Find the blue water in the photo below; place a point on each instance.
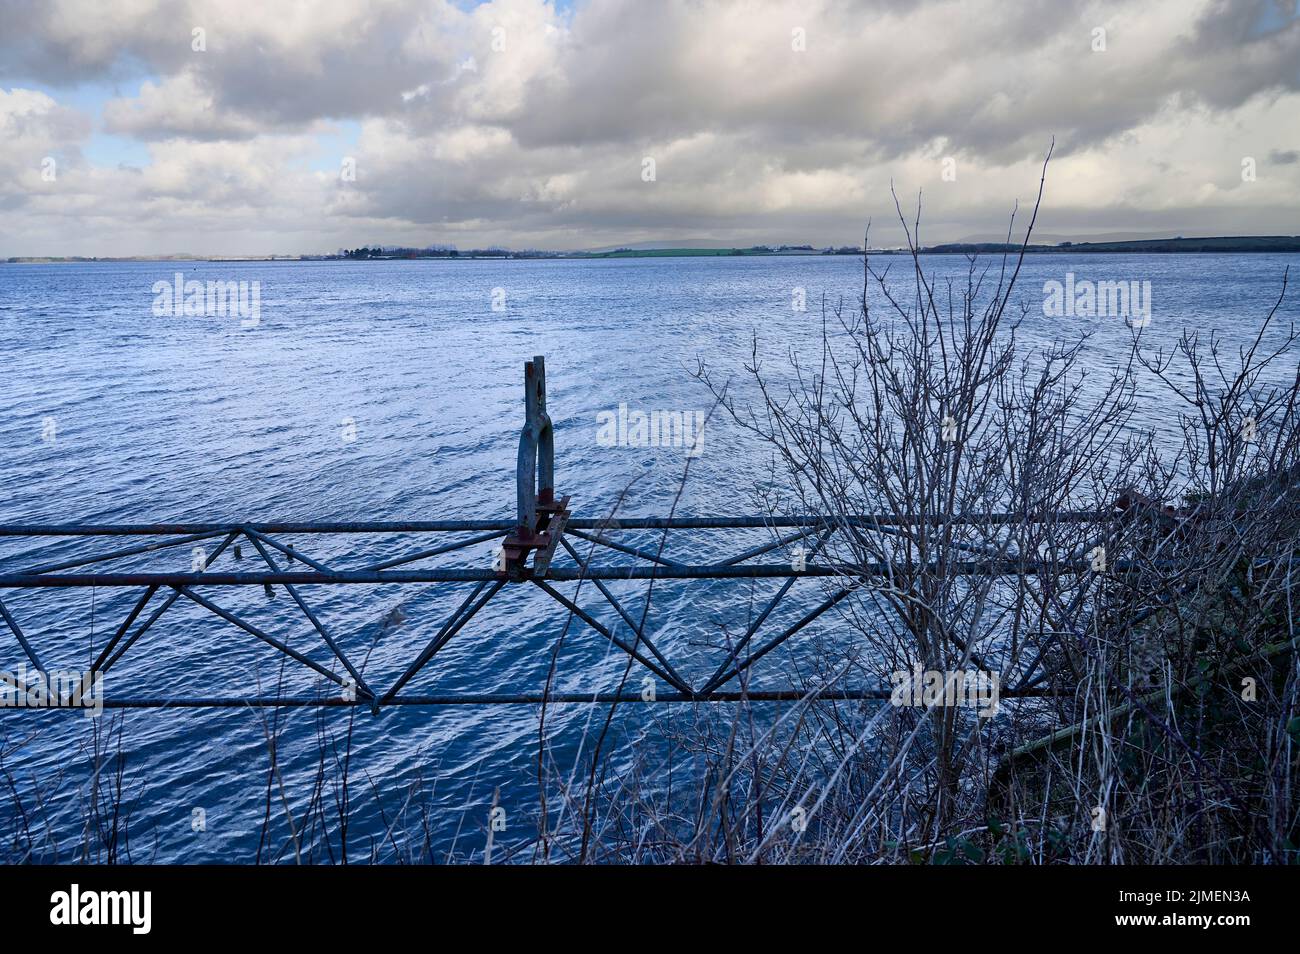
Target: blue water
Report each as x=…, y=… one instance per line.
x=200, y=419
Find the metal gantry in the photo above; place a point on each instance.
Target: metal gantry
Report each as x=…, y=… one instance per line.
x=542, y=528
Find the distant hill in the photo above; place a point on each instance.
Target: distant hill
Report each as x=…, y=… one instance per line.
x=695, y=249
x=1224, y=243
x=673, y=244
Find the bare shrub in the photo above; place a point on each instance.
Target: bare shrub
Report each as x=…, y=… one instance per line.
x=997, y=508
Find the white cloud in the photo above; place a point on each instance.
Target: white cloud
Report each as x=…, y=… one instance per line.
x=178, y=107
x=512, y=123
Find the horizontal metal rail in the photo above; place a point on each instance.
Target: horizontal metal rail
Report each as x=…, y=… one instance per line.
x=532, y=699
x=480, y=526
x=555, y=573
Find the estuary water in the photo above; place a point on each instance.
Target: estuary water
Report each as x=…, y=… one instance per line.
x=388, y=391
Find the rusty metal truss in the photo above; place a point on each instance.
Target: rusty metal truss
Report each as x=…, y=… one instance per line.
x=529, y=546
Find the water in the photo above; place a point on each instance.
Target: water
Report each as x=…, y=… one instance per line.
x=199, y=419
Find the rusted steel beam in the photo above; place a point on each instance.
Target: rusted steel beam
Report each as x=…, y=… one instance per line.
x=768, y=547
x=624, y=548
x=525, y=698
x=125, y=552
x=435, y=551
x=741, y=643
x=288, y=551
x=105, y=660
x=674, y=681
x=600, y=524
x=22, y=640
x=464, y=613
x=140, y=604
x=539, y=528
x=560, y=574
x=260, y=634
x=364, y=689
x=637, y=628
x=775, y=641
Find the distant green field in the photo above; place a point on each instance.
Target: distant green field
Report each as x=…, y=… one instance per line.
x=678, y=253
x=1225, y=243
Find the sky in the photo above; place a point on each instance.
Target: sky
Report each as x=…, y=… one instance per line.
x=147, y=127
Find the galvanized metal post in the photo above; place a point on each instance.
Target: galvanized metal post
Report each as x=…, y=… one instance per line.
x=535, y=475
x=534, y=472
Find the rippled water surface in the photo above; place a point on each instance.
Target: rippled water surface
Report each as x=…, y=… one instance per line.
x=111, y=414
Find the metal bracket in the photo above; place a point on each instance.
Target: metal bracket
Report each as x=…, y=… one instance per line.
x=535, y=479
x=552, y=531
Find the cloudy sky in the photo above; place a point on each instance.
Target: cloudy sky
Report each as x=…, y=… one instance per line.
x=134, y=127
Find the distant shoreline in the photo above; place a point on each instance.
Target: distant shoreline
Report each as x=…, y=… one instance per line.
x=1170, y=246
